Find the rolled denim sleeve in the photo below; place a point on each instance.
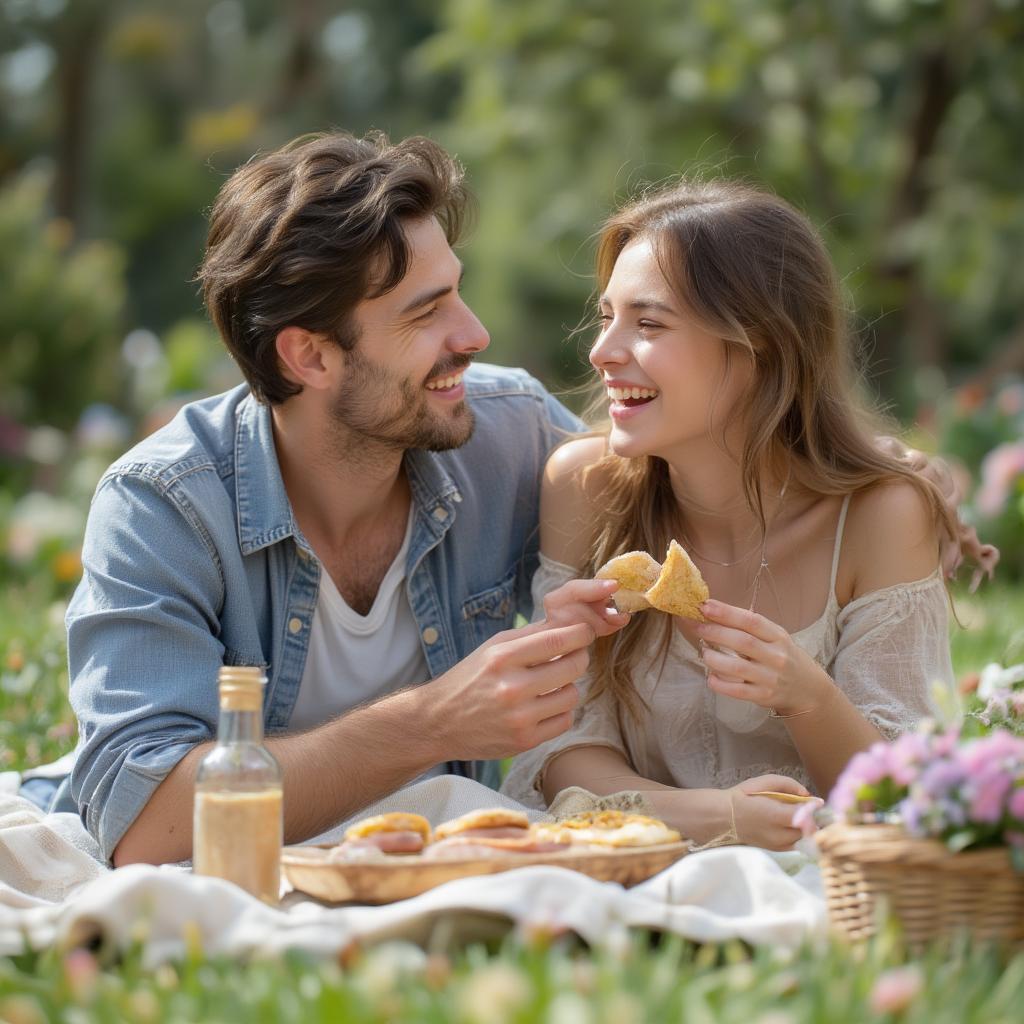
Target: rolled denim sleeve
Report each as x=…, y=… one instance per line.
x=143, y=649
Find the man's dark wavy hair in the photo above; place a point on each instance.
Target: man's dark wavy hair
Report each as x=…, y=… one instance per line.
x=300, y=236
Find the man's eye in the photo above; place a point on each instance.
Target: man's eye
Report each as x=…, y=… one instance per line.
x=428, y=314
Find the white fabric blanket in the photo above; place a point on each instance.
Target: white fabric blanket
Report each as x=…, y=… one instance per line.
x=54, y=891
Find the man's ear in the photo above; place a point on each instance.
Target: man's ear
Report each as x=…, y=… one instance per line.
x=305, y=357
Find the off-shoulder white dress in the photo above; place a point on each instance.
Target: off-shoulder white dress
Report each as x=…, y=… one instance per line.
x=887, y=650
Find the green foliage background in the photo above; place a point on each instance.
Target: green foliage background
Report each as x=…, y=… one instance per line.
x=894, y=123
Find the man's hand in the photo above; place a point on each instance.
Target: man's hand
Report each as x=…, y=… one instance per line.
x=511, y=693
x=966, y=544
x=585, y=601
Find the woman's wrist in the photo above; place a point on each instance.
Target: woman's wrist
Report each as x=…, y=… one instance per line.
x=816, y=697
x=703, y=815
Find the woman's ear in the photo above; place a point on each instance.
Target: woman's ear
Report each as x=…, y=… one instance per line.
x=306, y=358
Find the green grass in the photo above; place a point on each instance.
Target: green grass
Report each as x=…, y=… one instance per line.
x=531, y=977
x=525, y=979
x=36, y=722
x=993, y=627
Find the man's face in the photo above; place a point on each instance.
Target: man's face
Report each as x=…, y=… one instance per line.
x=402, y=383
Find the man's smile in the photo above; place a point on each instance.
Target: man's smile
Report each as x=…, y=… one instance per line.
x=447, y=383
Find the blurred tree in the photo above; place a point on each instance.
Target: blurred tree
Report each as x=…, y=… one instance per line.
x=895, y=123
x=60, y=311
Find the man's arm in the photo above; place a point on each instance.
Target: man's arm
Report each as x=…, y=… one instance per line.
x=329, y=773
x=509, y=695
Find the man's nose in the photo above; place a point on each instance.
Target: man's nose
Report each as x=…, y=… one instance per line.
x=470, y=335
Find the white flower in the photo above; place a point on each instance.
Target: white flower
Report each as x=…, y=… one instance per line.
x=493, y=994
x=569, y=1008
x=384, y=966
x=995, y=678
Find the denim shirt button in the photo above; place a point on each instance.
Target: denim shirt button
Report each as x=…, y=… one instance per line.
x=440, y=513
x=430, y=635
x=294, y=625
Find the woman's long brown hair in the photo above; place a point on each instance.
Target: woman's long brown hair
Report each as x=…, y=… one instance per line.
x=751, y=270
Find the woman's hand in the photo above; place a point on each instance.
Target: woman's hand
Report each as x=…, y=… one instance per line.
x=763, y=820
x=585, y=601
x=762, y=663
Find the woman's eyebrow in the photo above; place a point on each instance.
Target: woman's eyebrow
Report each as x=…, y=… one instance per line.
x=643, y=303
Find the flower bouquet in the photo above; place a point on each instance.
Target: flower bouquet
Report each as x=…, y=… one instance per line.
x=932, y=827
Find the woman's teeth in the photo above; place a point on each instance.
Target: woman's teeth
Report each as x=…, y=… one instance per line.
x=444, y=383
x=621, y=394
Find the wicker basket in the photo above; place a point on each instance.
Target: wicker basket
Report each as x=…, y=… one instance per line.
x=932, y=893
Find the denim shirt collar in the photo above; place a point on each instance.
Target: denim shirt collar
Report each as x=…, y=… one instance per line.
x=264, y=512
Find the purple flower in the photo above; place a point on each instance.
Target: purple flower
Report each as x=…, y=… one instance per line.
x=941, y=786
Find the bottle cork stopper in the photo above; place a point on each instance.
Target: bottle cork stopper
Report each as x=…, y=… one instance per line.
x=241, y=688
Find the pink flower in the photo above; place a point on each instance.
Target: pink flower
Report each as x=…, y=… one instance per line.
x=896, y=989
x=82, y=974
x=803, y=817
x=1010, y=399
x=987, y=802
x=999, y=469
x=1016, y=803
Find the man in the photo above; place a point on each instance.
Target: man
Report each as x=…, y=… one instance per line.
x=360, y=518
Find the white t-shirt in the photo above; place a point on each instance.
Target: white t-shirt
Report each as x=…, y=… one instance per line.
x=355, y=659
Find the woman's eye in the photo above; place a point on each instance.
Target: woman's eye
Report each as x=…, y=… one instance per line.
x=604, y=318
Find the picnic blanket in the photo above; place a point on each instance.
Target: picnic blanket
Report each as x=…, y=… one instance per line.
x=53, y=891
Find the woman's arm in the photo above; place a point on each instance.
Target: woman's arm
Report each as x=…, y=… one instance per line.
x=702, y=815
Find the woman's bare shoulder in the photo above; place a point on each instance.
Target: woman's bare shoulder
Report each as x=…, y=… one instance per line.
x=891, y=537
x=567, y=506
x=567, y=461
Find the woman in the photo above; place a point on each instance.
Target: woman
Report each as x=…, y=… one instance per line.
x=735, y=430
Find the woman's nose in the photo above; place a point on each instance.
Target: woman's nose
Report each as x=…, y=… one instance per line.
x=607, y=350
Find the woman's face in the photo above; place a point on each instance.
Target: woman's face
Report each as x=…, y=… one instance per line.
x=665, y=377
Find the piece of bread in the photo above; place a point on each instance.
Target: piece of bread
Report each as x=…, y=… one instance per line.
x=635, y=572
x=608, y=829
x=490, y=820
x=393, y=821
x=680, y=589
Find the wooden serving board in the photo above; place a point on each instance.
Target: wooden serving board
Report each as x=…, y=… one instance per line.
x=307, y=868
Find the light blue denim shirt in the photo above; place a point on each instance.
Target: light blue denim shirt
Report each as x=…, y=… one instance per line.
x=193, y=559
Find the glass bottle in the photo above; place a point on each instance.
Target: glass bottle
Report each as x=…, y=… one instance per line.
x=237, y=827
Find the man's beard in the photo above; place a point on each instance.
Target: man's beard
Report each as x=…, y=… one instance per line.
x=375, y=408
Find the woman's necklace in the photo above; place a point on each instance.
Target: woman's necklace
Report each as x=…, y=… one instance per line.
x=756, y=584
